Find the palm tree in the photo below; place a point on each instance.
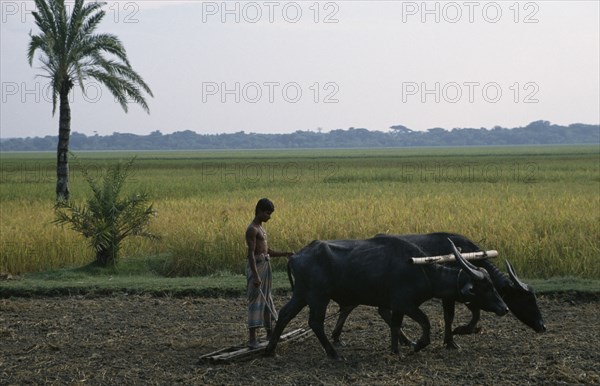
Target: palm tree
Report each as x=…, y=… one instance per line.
x=107, y=218
x=71, y=54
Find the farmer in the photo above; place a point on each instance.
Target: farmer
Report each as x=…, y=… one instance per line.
x=261, y=310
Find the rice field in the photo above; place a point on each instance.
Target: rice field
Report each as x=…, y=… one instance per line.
x=538, y=206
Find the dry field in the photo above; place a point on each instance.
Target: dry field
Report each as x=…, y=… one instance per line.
x=144, y=340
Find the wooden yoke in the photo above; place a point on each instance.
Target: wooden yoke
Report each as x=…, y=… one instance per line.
x=446, y=258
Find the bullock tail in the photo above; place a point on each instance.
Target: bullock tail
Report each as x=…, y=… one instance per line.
x=290, y=276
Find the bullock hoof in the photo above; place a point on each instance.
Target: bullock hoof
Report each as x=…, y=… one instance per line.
x=420, y=345
x=332, y=354
x=452, y=346
x=269, y=353
x=335, y=357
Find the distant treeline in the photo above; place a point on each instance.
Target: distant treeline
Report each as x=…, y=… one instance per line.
x=536, y=133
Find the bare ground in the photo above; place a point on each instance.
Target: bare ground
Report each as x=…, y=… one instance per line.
x=144, y=340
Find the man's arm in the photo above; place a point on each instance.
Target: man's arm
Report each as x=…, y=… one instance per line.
x=251, y=233
x=273, y=253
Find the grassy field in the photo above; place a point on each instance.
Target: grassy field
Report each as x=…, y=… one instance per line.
x=137, y=277
x=538, y=206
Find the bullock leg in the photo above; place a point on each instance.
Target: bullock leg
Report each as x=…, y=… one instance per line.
x=316, y=320
x=471, y=327
x=286, y=314
x=397, y=333
x=394, y=320
x=386, y=315
x=448, y=305
x=339, y=325
x=395, y=325
x=418, y=316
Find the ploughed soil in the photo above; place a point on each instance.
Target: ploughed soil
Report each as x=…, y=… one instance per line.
x=146, y=340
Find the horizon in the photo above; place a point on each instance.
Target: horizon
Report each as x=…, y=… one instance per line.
x=389, y=130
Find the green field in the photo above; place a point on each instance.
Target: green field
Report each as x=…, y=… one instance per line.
x=538, y=206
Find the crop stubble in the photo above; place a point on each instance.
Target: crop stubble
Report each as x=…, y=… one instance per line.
x=146, y=340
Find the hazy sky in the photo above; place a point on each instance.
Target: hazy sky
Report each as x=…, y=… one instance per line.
x=271, y=66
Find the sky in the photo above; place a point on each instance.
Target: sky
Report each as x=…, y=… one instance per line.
x=278, y=67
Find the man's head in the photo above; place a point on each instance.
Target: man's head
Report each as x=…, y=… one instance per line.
x=264, y=208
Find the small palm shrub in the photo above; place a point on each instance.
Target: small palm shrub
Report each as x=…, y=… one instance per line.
x=106, y=219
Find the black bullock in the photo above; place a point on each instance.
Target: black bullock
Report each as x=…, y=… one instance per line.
x=518, y=296
x=377, y=272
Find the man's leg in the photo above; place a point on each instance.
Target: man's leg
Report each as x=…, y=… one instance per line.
x=252, y=342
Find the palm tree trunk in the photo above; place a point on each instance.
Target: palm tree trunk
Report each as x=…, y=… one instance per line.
x=62, y=153
x=107, y=257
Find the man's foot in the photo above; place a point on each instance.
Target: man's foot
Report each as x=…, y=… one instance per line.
x=253, y=345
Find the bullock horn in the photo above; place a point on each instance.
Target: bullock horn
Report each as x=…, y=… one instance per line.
x=513, y=276
x=470, y=268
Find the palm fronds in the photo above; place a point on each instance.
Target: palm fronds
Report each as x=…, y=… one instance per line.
x=72, y=53
x=106, y=219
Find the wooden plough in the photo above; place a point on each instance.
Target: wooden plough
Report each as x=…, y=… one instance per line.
x=235, y=353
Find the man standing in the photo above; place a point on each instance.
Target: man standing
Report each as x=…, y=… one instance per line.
x=261, y=310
